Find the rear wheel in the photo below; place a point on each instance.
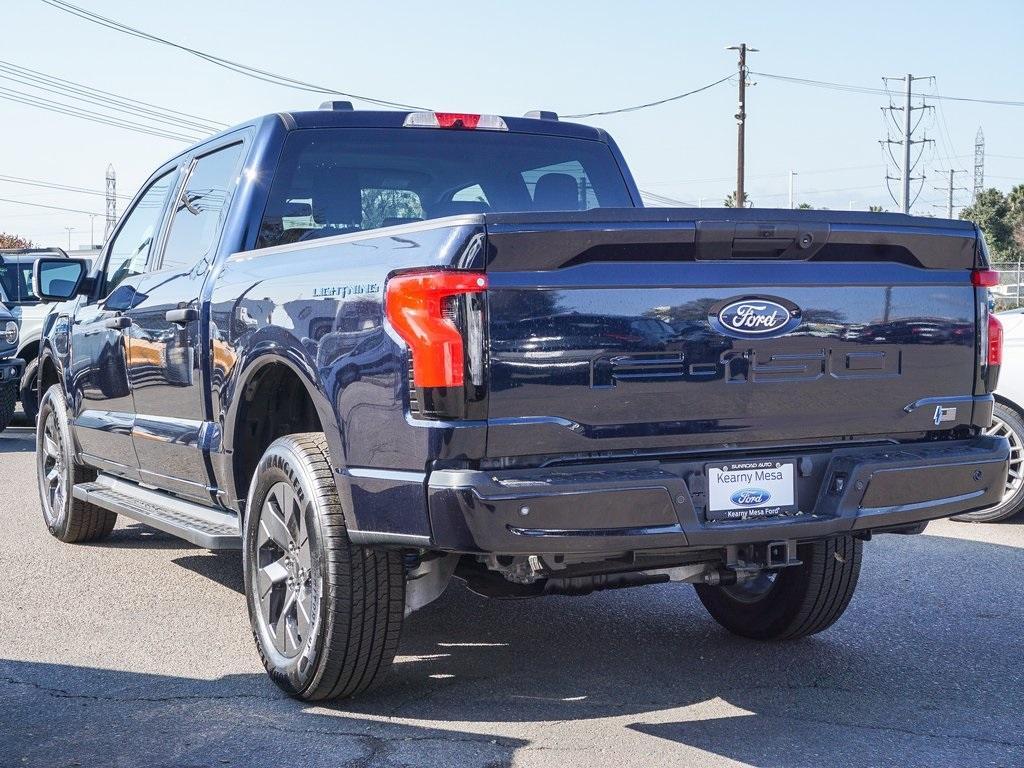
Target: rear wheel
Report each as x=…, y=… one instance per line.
x=69, y=519
x=8, y=400
x=1009, y=423
x=793, y=602
x=325, y=613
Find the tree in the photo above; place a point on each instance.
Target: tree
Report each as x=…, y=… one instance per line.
x=876, y=209
x=1001, y=218
x=805, y=207
x=730, y=201
x=13, y=241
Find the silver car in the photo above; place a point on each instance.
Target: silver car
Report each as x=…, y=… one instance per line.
x=1008, y=419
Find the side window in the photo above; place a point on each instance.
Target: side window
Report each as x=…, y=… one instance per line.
x=130, y=249
x=199, y=211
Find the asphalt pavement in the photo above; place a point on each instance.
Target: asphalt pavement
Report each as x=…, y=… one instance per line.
x=137, y=652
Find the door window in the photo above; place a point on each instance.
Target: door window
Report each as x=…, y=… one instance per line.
x=129, y=251
x=201, y=207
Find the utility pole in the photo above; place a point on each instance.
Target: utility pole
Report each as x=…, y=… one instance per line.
x=907, y=139
x=741, y=121
x=791, y=175
x=950, y=189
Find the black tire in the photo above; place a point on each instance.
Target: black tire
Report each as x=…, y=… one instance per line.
x=8, y=401
x=29, y=392
x=801, y=600
x=69, y=519
x=1008, y=422
x=345, y=603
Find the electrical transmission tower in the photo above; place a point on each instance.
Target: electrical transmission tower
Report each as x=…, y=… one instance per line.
x=949, y=190
x=979, y=163
x=111, y=218
x=905, y=130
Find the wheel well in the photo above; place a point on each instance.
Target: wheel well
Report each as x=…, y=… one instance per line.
x=48, y=375
x=1008, y=403
x=30, y=351
x=275, y=403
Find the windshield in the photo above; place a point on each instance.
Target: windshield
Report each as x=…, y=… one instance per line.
x=336, y=180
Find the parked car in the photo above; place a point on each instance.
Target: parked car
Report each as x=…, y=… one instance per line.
x=11, y=367
x=376, y=350
x=16, y=292
x=1008, y=420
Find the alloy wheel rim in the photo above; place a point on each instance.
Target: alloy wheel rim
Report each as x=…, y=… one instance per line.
x=53, y=474
x=287, y=582
x=1015, y=477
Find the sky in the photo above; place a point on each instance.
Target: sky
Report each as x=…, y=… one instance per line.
x=508, y=58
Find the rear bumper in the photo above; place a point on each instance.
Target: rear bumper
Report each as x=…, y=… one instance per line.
x=11, y=370
x=619, y=507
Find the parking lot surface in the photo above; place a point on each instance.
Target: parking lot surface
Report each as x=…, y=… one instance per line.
x=137, y=652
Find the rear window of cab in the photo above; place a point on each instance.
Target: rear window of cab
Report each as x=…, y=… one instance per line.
x=334, y=181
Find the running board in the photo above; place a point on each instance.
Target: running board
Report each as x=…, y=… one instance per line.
x=202, y=526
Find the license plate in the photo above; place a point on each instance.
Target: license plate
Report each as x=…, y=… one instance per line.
x=747, y=490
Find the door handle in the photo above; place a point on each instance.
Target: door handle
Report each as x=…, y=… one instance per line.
x=182, y=316
x=118, y=323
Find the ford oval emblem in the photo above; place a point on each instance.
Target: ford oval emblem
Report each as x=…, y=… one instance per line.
x=750, y=497
x=754, y=316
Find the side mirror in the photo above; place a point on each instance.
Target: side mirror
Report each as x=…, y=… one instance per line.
x=58, y=279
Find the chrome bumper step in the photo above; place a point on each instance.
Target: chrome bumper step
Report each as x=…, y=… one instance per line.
x=202, y=526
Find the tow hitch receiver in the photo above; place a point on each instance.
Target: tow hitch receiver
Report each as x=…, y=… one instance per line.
x=757, y=557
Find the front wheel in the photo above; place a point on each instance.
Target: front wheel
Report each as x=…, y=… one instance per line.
x=792, y=602
x=69, y=519
x=1009, y=423
x=326, y=614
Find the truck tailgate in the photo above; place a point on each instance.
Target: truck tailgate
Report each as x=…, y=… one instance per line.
x=685, y=329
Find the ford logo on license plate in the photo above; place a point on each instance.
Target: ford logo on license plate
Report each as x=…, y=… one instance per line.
x=749, y=497
x=754, y=316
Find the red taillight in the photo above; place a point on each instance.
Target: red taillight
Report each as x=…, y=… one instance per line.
x=415, y=306
x=995, y=341
x=984, y=278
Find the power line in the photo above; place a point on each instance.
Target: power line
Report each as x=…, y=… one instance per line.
x=54, y=185
x=20, y=97
x=51, y=207
x=94, y=96
x=234, y=66
x=779, y=175
x=636, y=107
x=874, y=90
x=664, y=200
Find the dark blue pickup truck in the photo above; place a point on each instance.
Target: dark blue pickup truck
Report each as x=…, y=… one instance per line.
x=379, y=350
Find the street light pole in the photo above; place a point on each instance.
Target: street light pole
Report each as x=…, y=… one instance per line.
x=791, y=175
x=69, y=231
